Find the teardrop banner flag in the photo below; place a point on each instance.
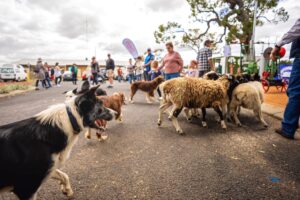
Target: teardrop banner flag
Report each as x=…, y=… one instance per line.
x=129, y=45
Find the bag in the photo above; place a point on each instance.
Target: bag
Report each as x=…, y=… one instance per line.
x=36, y=69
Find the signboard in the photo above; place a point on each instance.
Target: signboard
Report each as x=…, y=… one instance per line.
x=128, y=44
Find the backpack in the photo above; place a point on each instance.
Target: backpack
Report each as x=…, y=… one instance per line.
x=36, y=68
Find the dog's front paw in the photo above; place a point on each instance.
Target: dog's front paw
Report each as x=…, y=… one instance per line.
x=67, y=191
x=204, y=124
x=159, y=122
x=180, y=131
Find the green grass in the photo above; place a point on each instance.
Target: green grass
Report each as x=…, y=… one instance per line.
x=4, y=89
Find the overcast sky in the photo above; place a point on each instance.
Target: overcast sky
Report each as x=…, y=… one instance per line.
x=57, y=28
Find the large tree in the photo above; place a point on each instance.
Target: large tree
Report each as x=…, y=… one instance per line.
x=234, y=17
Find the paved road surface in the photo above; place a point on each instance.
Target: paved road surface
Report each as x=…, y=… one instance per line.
x=141, y=161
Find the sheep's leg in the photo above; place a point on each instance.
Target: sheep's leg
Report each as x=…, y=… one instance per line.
x=219, y=111
x=187, y=114
x=233, y=113
x=228, y=112
x=176, y=112
x=162, y=109
x=64, y=182
x=204, y=124
x=88, y=134
x=258, y=114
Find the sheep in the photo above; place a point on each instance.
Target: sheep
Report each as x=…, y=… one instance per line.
x=250, y=96
x=193, y=93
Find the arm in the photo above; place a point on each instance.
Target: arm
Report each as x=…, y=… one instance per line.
x=180, y=62
x=289, y=37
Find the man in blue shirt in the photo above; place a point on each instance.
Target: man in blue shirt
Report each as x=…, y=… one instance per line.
x=147, y=66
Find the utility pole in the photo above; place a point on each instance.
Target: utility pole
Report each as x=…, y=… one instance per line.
x=253, y=31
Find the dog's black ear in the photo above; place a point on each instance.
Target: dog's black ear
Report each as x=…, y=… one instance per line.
x=74, y=91
x=93, y=90
x=85, y=86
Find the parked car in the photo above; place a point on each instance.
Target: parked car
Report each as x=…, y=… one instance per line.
x=13, y=72
x=67, y=76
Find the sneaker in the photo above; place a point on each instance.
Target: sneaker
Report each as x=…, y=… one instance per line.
x=283, y=134
x=58, y=85
x=160, y=98
x=37, y=88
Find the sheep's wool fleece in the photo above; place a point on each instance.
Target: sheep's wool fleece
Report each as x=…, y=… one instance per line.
x=195, y=93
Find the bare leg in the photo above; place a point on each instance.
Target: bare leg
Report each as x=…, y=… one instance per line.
x=64, y=182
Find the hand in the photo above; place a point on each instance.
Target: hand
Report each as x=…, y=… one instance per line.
x=274, y=53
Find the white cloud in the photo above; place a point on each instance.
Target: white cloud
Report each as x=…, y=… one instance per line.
x=57, y=29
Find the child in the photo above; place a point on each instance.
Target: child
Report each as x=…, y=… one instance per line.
x=155, y=73
x=192, y=71
x=139, y=68
x=120, y=74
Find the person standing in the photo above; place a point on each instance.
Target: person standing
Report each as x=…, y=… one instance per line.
x=95, y=70
x=120, y=74
x=172, y=63
x=39, y=74
x=52, y=73
x=57, y=74
x=74, y=71
x=47, y=76
x=139, y=68
x=291, y=116
x=147, y=65
x=110, y=67
x=204, y=58
x=154, y=73
x=130, y=70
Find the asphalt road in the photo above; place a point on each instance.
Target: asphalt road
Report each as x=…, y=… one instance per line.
x=142, y=161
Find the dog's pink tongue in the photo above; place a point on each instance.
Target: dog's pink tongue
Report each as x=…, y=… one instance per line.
x=99, y=122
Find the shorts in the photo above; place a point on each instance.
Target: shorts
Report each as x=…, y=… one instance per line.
x=110, y=73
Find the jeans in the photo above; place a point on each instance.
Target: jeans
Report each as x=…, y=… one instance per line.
x=74, y=78
x=48, y=81
x=139, y=77
x=57, y=80
x=95, y=78
x=120, y=78
x=146, y=76
x=130, y=78
x=171, y=76
x=292, y=111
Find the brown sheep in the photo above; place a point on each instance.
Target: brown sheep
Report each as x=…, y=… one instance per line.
x=193, y=93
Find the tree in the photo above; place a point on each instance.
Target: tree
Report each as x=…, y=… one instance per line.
x=235, y=17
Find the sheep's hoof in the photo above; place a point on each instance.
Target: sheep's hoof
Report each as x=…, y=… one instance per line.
x=88, y=137
x=239, y=124
x=67, y=191
x=159, y=123
x=266, y=125
x=204, y=124
x=189, y=120
x=180, y=132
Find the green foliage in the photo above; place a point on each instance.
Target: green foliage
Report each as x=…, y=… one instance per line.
x=235, y=17
x=8, y=88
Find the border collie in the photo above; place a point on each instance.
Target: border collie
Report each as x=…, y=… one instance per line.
x=33, y=150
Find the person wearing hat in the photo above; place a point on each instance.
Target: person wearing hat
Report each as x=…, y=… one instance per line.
x=110, y=67
x=147, y=66
x=95, y=70
x=39, y=74
x=204, y=58
x=74, y=71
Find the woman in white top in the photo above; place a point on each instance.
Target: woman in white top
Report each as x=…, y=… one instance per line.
x=57, y=75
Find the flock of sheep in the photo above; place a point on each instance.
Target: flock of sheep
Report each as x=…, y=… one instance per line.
x=226, y=94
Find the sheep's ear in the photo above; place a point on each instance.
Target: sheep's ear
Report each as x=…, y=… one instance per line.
x=74, y=91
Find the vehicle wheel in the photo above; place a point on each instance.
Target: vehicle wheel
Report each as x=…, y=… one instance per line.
x=265, y=85
x=19, y=80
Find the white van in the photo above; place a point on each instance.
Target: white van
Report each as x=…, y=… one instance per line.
x=12, y=72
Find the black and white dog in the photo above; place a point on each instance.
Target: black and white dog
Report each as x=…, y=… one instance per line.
x=34, y=149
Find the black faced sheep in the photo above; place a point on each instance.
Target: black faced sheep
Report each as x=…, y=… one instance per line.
x=193, y=93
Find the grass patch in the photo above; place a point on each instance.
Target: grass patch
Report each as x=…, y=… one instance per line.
x=4, y=89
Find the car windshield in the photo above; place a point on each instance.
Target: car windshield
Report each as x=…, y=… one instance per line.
x=6, y=70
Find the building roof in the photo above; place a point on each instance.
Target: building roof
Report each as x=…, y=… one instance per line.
x=64, y=62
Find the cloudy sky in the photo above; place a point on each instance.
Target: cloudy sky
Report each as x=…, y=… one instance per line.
x=57, y=29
